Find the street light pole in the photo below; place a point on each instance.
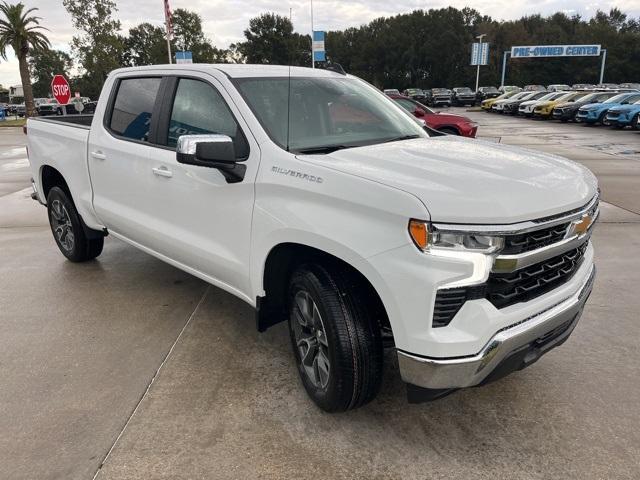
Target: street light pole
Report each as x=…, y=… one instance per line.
x=313, y=61
x=479, y=37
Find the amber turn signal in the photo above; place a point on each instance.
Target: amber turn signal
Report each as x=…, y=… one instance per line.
x=419, y=233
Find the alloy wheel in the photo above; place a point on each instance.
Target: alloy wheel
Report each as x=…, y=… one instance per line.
x=311, y=339
x=61, y=225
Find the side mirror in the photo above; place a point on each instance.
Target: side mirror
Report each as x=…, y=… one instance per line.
x=419, y=112
x=212, y=151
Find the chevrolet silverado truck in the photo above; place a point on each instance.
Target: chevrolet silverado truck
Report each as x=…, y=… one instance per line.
x=318, y=201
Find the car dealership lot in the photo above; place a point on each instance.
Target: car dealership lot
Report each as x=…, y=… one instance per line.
x=130, y=353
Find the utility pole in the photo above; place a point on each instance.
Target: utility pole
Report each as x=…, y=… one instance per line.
x=479, y=37
x=313, y=61
x=168, y=26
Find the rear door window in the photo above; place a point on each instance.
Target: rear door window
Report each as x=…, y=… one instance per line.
x=133, y=106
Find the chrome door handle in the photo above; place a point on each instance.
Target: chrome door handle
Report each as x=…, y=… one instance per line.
x=162, y=172
x=98, y=155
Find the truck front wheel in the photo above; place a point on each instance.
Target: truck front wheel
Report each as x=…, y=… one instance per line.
x=337, y=346
x=67, y=228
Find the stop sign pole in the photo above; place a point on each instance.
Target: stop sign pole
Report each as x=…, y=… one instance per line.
x=60, y=89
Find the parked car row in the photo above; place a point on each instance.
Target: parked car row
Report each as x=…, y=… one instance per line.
x=619, y=107
x=49, y=106
x=465, y=96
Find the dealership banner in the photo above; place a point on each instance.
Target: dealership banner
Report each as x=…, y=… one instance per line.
x=537, y=51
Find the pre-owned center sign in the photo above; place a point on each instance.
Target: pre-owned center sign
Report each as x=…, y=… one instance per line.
x=538, y=51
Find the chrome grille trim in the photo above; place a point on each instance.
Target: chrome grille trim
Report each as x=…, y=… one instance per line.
x=521, y=227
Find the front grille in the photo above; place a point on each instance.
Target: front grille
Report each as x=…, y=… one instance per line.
x=505, y=289
x=613, y=115
x=525, y=242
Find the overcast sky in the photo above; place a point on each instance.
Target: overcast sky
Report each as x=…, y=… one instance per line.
x=225, y=20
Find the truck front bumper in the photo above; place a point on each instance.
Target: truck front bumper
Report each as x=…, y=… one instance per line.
x=511, y=348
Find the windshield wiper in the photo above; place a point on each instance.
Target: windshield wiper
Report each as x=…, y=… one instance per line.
x=325, y=149
x=403, y=137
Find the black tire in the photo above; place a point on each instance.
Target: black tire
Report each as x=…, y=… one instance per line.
x=67, y=229
x=352, y=339
x=449, y=131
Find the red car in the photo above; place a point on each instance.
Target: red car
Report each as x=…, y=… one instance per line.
x=443, y=122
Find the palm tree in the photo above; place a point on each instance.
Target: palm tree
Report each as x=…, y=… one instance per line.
x=22, y=33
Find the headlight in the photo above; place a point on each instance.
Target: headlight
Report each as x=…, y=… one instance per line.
x=427, y=238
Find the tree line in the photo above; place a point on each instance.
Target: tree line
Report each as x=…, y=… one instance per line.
x=424, y=48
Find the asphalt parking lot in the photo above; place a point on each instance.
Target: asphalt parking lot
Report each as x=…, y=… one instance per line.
x=127, y=368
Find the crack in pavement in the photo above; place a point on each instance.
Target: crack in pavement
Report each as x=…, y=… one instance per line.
x=155, y=375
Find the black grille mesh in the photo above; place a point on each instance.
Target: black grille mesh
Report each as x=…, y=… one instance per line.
x=525, y=242
x=448, y=302
x=504, y=289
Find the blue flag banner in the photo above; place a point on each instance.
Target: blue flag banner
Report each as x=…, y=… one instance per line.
x=318, y=47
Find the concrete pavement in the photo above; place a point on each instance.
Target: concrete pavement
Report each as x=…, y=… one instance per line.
x=131, y=363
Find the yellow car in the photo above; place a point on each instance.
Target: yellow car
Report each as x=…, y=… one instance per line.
x=545, y=109
x=486, y=104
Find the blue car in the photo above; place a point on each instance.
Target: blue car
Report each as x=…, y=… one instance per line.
x=624, y=115
x=596, y=112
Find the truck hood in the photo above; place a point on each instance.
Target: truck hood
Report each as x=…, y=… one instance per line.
x=469, y=181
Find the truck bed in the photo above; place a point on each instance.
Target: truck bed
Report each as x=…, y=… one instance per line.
x=82, y=121
x=60, y=142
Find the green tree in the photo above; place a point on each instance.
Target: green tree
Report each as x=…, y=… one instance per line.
x=23, y=34
x=99, y=48
x=189, y=36
x=146, y=44
x=43, y=65
x=270, y=39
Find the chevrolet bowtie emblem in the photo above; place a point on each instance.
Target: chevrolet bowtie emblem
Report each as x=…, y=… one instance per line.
x=582, y=225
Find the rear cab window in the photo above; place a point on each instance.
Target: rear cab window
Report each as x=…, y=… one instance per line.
x=133, y=106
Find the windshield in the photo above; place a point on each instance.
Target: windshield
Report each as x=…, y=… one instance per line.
x=617, y=98
x=414, y=91
x=325, y=114
x=463, y=90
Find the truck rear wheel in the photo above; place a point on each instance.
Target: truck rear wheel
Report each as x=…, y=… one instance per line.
x=67, y=228
x=337, y=347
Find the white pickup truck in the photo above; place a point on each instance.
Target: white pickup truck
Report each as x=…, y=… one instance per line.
x=318, y=201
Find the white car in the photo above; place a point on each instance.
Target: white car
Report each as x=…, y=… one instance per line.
x=498, y=106
x=527, y=108
x=314, y=198
x=558, y=87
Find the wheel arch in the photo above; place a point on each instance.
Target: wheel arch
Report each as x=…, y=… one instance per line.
x=280, y=263
x=51, y=177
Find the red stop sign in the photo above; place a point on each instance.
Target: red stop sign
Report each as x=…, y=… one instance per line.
x=60, y=89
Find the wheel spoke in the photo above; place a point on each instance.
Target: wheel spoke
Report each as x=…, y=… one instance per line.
x=303, y=302
x=322, y=367
x=308, y=350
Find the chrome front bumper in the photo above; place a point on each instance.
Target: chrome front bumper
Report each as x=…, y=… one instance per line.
x=527, y=340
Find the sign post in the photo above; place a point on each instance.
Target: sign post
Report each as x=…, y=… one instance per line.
x=60, y=89
x=479, y=56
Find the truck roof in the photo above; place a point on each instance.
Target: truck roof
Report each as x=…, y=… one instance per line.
x=233, y=70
